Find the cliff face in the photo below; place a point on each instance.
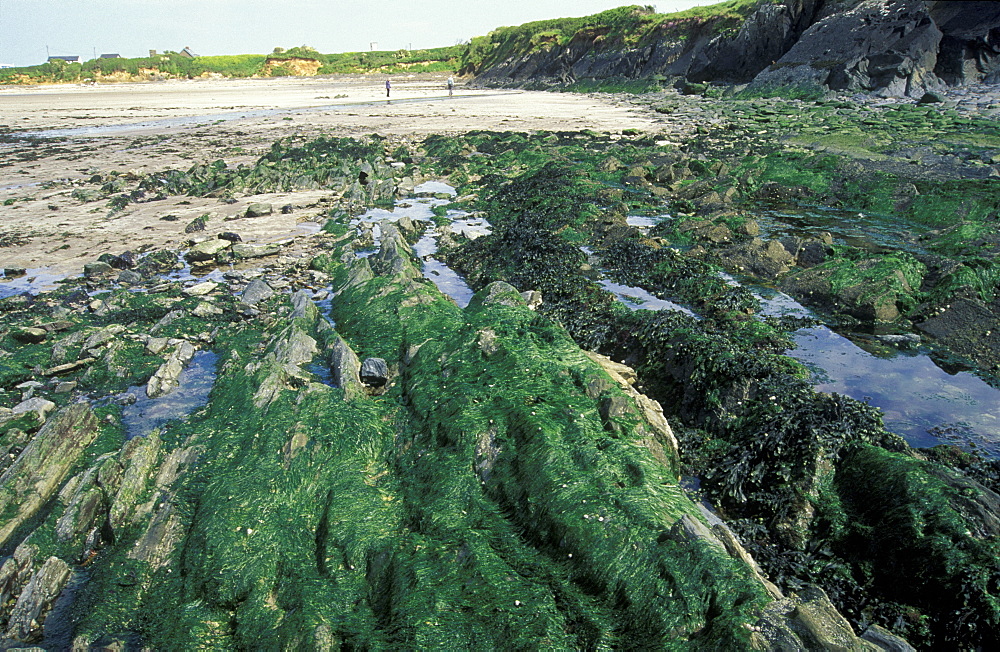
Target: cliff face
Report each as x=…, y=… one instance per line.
x=899, y=47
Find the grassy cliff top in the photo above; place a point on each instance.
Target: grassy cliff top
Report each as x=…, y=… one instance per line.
x=630, y=25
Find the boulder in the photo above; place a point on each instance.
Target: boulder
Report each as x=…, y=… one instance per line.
x=763, y=258
x=200, y=289
x=498, y=293
x=129, y=277
x=255, y=292
x=345, y=368
x=40, y=406
x=92, y=270
x=374, y=372
x=259, y=209
x=207, y=250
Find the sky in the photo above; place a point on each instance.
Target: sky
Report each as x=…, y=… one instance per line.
x=30, y=30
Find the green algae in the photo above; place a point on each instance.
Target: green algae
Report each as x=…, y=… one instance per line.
x=444, y=512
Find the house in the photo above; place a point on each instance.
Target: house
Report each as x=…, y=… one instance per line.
x=186, y=52
x=110, y=56
x=67, y=59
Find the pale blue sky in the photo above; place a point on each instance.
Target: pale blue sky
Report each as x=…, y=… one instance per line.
x=133, y=27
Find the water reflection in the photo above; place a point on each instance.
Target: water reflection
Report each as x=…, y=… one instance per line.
x=421, y=209
x=33, y=281
x=638, y=299
x=195, y=383
x=919, y=400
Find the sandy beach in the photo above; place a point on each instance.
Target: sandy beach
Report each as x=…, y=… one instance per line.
x=55, y=138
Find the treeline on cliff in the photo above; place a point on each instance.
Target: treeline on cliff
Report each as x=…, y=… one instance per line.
x=178, y=66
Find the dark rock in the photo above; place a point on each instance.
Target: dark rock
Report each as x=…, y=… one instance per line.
x=124, y=261
x=807, y=252
x=931, y=97
x=374, y=372
x=287, y=209
x=885, y=640
x=872, y=47
x=970, y=42
x=14, y=272
x=969, y=328
x=197, y=224
x=764, y=258
x=230, y=236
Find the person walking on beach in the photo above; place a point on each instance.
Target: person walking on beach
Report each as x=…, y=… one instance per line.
x=388, y=87
x=451, y=85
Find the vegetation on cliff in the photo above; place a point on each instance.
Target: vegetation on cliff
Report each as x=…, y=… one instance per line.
x=623, y=27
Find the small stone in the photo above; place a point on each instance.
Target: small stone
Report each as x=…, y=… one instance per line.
x=66, y=387
x=201, y=289
x=156, y=345
x=204, y=310
x=69, y=367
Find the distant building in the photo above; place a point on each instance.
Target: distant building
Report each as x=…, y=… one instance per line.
x=152, y=53
x=186, y=52
x=110, y=56
x=67, y=59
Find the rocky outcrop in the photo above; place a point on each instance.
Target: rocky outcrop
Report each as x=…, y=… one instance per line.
x=38, y=471
x=889, y=48
x=896, y=48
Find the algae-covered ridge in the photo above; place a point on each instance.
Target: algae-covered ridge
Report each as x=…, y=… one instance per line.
x=507, y=478
x=501, y=489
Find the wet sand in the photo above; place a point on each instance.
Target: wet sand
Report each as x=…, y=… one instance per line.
x=77, y=131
